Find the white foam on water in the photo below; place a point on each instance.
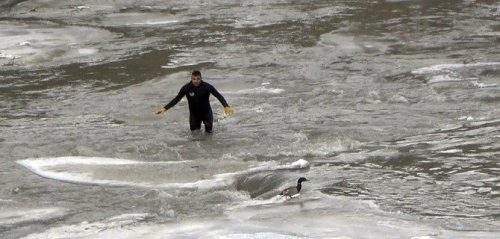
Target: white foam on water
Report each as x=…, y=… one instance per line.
x=12, y=217
x=124, y=172
x=82, y=7
x=468, y=118
x=483, y=85
x=451, y=67
x=443, y=78
x=155, y=22
x=484, y=122
x=301, y=163
x=138, y=19
x=260, y=90
x=316, y=216
x=175, y=64
x=33, y=163
x=278, y=199
x=25, y=43
x=451, y=151
x=87, y=51
x=6, y=56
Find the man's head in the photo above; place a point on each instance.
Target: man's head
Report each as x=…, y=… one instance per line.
x=196, y=78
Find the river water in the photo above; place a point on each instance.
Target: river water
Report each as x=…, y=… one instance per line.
x=390, y=108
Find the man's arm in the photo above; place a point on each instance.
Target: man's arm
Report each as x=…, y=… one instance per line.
x=175, y=100
x=217, y=95
x=227, y=109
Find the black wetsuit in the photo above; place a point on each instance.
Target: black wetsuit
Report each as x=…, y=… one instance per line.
x=199, y=104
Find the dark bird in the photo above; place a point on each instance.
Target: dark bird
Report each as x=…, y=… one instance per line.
x=292, y=191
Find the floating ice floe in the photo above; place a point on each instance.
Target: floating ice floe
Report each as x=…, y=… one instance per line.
x=191, y=174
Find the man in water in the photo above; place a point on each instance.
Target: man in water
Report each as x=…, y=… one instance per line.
x=197, y=92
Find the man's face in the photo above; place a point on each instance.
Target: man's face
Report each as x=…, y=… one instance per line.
x=196, y=80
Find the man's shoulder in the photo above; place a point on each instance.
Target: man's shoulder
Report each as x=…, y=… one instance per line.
x=208, y=85
x=187, y=86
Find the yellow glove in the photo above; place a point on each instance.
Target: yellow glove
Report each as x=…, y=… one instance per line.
x=228, y=110
x=161, y=111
